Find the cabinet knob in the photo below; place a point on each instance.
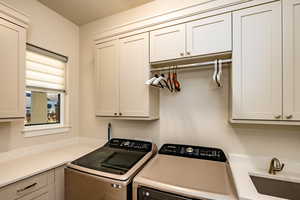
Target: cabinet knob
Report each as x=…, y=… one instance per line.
x=181, y=54
x=115, y=114
x=188, y=53
x=120, y=114
x=277, y=116
x=289, y=116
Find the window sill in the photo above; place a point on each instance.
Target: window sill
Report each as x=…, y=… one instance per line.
x=45, y=130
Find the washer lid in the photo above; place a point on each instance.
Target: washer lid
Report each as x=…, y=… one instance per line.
x=118, y=156
x=187, y=176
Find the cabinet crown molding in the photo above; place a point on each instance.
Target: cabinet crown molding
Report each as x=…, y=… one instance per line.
x=173, y=17
x=13, y=15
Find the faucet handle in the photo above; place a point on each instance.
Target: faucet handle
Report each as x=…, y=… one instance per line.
x=275, y=166
x=280, y=167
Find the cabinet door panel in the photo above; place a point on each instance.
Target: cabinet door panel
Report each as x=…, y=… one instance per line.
x=257, y=63
x=37, y=196
x=167, y=43
x=107, y=64
x=291, y=60
x=59, y=183
x=209, y=35
x=134, y=71
x=12, y=65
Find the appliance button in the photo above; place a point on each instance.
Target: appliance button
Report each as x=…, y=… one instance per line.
x=189, y=150
x=116, y=186
x=127, y=143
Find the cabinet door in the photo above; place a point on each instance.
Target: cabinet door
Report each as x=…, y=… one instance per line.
x=209, y=35
x=38, y=196
x=134, y=71
x=59, y=183
x=257, y=63
x=291, y=60
x=107, y=67
x=12, y=66
x=167, y=43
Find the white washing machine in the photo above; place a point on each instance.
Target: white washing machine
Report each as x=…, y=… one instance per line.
x=183, y=172
x=107, y=173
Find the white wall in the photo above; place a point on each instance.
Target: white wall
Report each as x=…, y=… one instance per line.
x=53, y=32
x=198, y=115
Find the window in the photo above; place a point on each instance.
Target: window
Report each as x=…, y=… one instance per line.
x=43, y=107
x=45, y=89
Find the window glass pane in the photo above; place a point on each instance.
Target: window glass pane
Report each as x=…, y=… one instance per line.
x=42, y=108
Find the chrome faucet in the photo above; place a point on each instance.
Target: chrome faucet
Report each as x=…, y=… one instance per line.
x=275, y=166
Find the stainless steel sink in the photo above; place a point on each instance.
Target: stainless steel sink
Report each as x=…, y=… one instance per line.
x=276, y=188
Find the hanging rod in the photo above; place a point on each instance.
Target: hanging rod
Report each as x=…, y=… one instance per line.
x=190, y=66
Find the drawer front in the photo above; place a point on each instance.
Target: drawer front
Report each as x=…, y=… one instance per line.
x=38, y=195
x=28, y=187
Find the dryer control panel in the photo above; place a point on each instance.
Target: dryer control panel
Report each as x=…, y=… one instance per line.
x=198, y=152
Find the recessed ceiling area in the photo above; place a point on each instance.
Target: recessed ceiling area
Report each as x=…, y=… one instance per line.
x=84, y=11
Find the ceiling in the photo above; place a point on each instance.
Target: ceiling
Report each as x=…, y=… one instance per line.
x=84, y=11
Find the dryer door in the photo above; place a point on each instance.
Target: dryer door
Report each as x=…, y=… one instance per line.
x=151, y=194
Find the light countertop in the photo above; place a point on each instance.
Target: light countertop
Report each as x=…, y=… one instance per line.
x=17, y=165
x=26, y=166
x=242, y=166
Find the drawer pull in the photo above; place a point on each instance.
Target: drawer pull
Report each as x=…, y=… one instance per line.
x=26, y=188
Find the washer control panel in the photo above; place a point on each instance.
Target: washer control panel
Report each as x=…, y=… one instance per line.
x=198, y=152
x=134, y=145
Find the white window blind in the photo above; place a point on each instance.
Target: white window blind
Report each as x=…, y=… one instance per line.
x=44, y=72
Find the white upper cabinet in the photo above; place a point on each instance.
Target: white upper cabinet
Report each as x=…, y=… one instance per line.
x=257, y=63
x=12, y=70
x=201, y=37
x=107, y=79
x=167, y=43
x=209, y=35
x=122, y=67
x=291, y=60
x=134, y=71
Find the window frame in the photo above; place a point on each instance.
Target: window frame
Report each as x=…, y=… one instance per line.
x=55, y=128
x=47, y=129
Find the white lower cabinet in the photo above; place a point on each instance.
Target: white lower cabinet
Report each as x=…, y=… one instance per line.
x=257, y=63
x=59, y=174
x=291, y=60
x=122, y=67
x=39, y=195
x=45, y=186
x=43, y=197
